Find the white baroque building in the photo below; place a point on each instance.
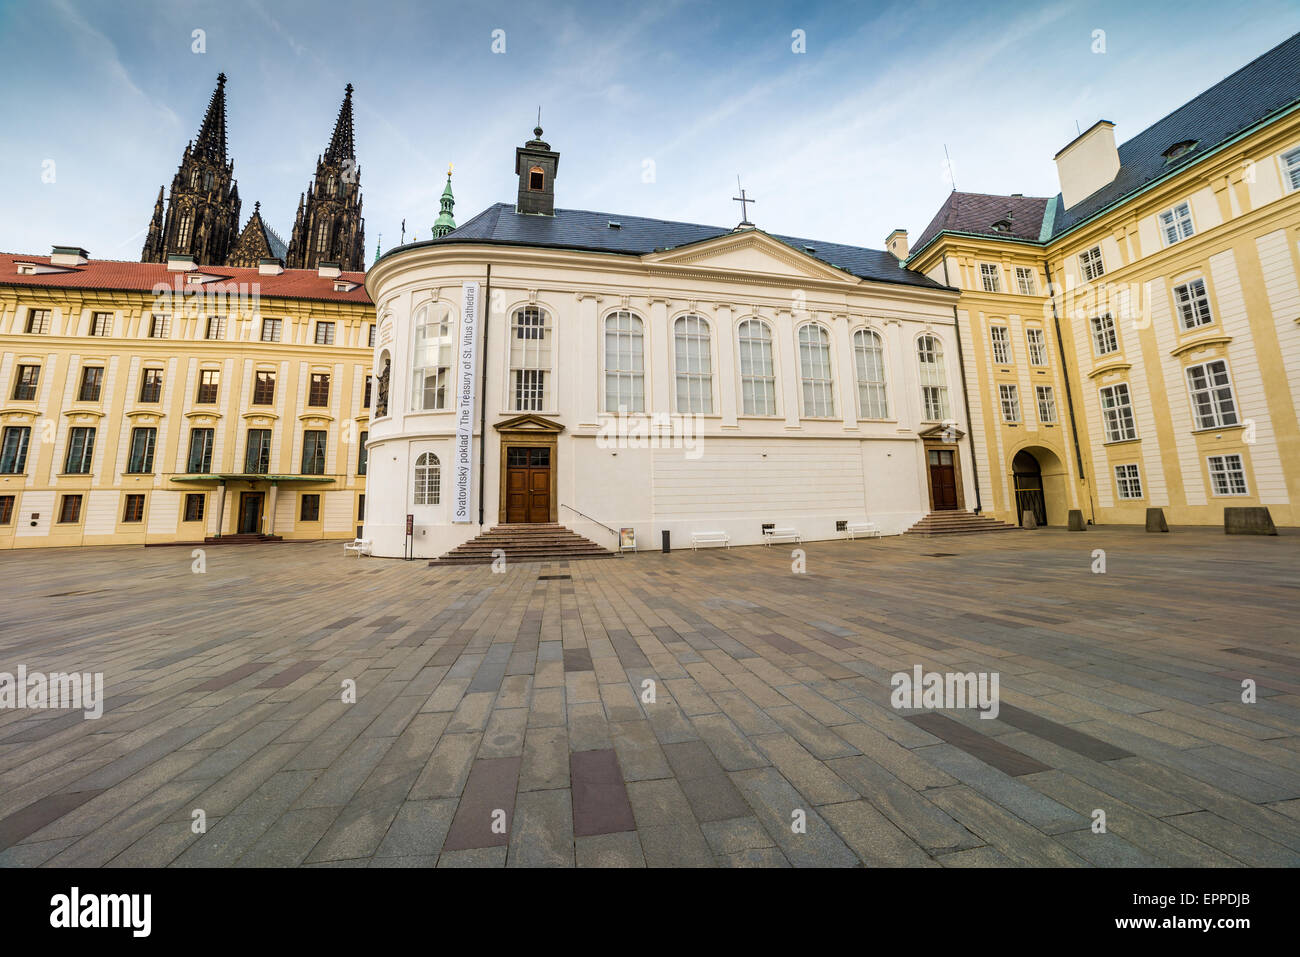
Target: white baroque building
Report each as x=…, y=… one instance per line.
x=620, y=372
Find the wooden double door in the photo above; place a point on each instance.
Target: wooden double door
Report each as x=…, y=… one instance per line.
x=943, y=479
x=250, y=512
x=528, y=484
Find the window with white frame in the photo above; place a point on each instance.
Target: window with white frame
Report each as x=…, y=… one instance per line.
x=1025, y=281
x=1291, y=169
x=431, y=359
x=815, y=371
x=757, y=372
x=324, y=333
x=1117, y=413
x=1037, y=346
x=530, y=358
x=1010, y=398
x=1211, y=390
x=38, y=321
x=1090, y=262
x=1128, y=481
x=1228, y=475
x=271, y=329
x=1046, y=404
x=1001, y=339
x=1105, y=339
x=101, y=324
x=869, y=363
x=160, y=327
x=1193, y=304
x=694, y=365
x=991, y=277
x=428, y=479
x=624, y=362
x=934, y=379
x=1176, y=223
x=216, y=328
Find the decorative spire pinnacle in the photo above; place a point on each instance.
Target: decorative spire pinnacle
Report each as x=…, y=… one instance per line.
x=445, y=223
x=342, y=146
x=211, y=141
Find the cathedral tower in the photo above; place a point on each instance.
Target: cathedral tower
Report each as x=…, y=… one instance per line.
x=202, y=215
x=329, y=227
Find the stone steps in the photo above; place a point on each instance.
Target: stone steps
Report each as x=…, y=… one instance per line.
x=525, y=543
x=958, y=523
x=242, y=538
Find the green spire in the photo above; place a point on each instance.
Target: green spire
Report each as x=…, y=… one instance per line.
x=444, y=223
x=378, y=240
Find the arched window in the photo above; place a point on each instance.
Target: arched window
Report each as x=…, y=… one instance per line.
x=869, y=359
x=431, y=358
x=934, y=380
x=322, y=234
x=194, y=178
x=428, y=479
x=208, y=180
x=694, y=365
x=815, y=371
x=530, y=358
x=757, y=373
x=183, y=231
x=624, y=362
x=536, y=178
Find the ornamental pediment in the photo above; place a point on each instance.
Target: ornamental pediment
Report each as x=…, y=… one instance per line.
x=752, y=253
x=529, y=422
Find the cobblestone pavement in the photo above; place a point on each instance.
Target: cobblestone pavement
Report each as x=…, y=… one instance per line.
x=503, y=719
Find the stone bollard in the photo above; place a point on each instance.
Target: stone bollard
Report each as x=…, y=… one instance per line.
x=1252, y=520
x=1076, y=520
x=1156, y=520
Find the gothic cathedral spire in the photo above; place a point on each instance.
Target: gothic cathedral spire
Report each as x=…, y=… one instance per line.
x=329, y=227
x=202, y=217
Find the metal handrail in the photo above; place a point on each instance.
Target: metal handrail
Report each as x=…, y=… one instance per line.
x=590, y=519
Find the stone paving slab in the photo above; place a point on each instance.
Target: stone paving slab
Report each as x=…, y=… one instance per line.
x=710, y=709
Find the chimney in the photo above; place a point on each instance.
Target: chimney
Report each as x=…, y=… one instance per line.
x=1088, y=162
x=180, y=262
x=270, y=267
x=329, y=270
x=69, y=256
x=896, y=243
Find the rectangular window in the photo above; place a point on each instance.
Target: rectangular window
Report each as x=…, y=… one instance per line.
x=264, y=388
x=6, y=509
x=1128, y=481
x=140, y=461
x=92, y=379
x=324, y=333
x=81, y=450
x=194, y=502
x=1037, y=347
x=200, y=457
x=151, y=382
x=1291, y=169
x=371, y=339
x=1117, y=411
x=216, y=328
x=209, y=380
x=362, y=453
x=13, y=449
x=1046, y=404
x=160, y=327
x=1176, y=223
x=991, y=277
x=70, y=510
x=101, y=324
x=530, y=389
x=361, y=508
x=25, y=384
x=1001, y=337
x=1228, y=475
x=1193, y=304
x=1090, y=262
x=1025, y=281
x=309, y=510
x=134, y=511
x=313, y=452
x=1010, y=397
x=1105, y=339
x=365, y=399
x=319, y=391
x=1211, y=390
x=271, y=329
x=257, y=457
x=38, y=321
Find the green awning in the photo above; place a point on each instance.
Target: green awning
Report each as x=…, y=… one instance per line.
x=251, y=477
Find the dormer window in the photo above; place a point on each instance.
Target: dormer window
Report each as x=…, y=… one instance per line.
x=1002, y=226
x=536, y=178
x=27, y=269
x=1179, y=149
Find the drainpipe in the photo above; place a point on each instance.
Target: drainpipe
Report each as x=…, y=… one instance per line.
x=965, y=398
x=482, y=410
x=1069, y=396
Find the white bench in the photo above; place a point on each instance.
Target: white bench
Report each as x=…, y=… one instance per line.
x=709, y=538
x=359, y=545
x=781, y=535
x=863, y=529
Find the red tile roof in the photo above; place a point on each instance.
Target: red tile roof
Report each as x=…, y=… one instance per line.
x=113, y=275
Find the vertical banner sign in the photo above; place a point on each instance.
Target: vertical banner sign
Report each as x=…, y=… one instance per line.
x=466, y=390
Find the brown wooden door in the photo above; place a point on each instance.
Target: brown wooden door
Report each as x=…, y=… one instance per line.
x=943, y=480
x=528, y=485
x=250, y=512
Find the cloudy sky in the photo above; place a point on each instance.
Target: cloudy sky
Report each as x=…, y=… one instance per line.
x=655, y=107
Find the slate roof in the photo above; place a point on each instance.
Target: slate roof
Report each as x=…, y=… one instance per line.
x=108, y=274
x=636, y=235
x=978, y=212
